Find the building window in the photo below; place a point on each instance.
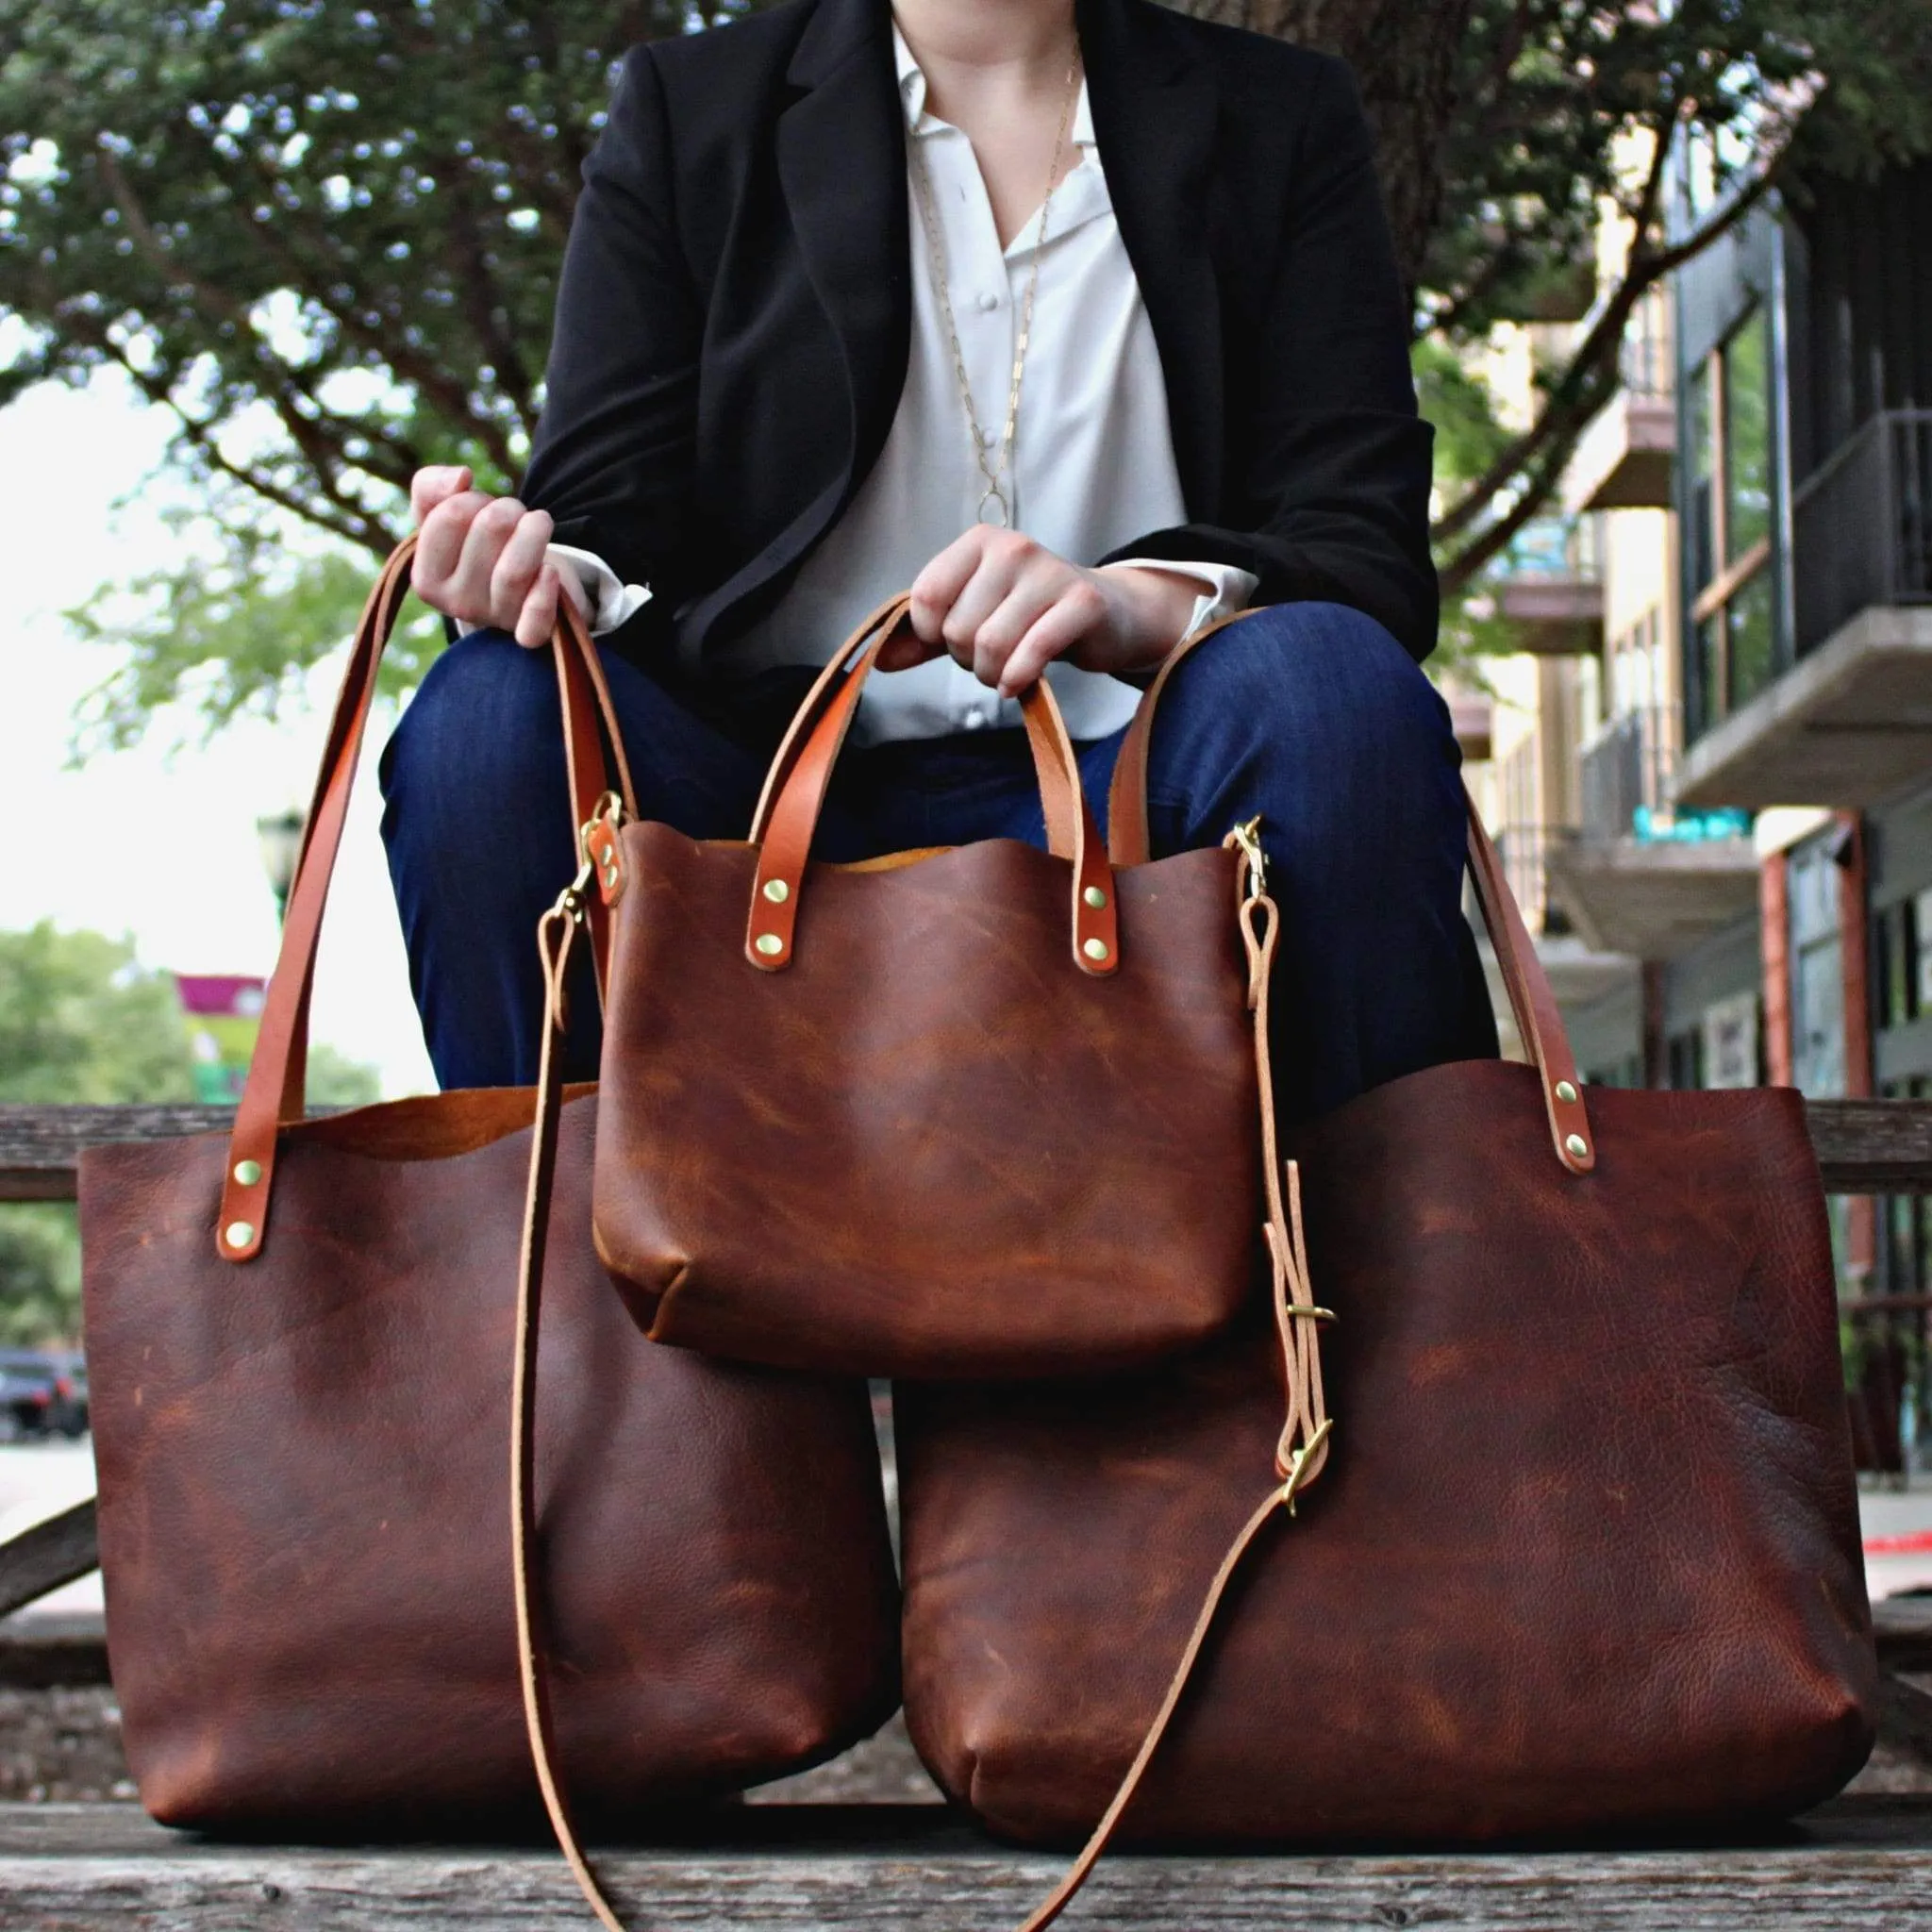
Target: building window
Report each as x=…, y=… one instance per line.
x=1733, y=1043
x=1684, y=1053
x=1902, y=963
x=1734, y=629
x=1818, y=997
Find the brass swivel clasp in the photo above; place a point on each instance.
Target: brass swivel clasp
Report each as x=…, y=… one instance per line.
x=1248, y=837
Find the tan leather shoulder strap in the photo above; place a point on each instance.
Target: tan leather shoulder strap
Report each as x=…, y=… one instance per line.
x=275, y=1091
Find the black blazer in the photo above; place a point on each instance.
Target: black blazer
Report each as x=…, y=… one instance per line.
x=734, y=319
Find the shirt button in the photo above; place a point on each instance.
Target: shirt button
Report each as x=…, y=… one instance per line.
x=988, y=304
x=975, y=719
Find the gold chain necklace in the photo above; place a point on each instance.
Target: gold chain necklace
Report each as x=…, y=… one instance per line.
x=996, y=475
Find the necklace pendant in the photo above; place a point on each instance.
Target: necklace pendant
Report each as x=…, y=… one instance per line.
x=993, y=511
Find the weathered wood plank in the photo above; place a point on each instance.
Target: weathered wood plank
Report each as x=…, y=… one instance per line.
x=56, y=1550
x=62, y=1662
x=39, y=1146
x=1872, y=1147
x=1863, y=1145
x=100, y=1869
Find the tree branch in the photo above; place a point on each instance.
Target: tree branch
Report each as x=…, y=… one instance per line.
x=1574, y=398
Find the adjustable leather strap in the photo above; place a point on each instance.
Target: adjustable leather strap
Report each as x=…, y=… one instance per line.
x=1538, y=1020
x=1300, y=1453
x=556, y=935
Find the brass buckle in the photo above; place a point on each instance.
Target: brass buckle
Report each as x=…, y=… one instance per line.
x=609, y=810
x=1248, y=837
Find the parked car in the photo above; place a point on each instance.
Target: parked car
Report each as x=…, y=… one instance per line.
x=29, y=1380
x=69, y=1413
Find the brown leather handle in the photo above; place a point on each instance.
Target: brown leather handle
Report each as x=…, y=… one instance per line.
x=794, y=794
x=1537, y=1019
x=274, y=1091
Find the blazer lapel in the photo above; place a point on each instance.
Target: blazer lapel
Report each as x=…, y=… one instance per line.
x=1155, y=117
x=841, y=163
x=841, y=149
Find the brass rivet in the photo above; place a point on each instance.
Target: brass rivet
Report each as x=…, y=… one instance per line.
x=1095, y=949
x=1565, y=1092
x=777, y=891
x=770, y=943
x=247, y=1173
x=238, y=1234
x=1577, y=1145
x=1095, y=898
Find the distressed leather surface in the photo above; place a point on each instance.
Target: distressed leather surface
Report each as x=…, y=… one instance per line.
x=303, y=1520
x=931, y=1145
x=1586, y=1553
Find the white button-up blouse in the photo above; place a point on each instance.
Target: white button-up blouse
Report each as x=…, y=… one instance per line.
x=1092, y=464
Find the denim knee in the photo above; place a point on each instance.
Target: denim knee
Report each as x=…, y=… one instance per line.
x=481, y=739
x=1315, y=669
x=1316, y=704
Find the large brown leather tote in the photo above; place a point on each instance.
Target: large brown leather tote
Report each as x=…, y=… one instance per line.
x=1586, y=1552
x=301, y=1338
x=982, y=1111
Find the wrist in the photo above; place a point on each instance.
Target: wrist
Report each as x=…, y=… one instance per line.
x=1159, y=606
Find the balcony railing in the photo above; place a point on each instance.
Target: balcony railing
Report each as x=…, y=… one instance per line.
x=1628, y=776
x=1862, y=527
x=1524, y=851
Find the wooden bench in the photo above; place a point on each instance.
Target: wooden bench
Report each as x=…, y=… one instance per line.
x=1862, y=1860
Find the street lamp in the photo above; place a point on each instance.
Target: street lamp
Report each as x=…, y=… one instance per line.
x=281, y=850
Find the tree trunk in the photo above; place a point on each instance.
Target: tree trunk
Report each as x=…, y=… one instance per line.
x=1404, y=54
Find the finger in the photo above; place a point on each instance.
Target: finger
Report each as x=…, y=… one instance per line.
x=1028, y=601
x=906, y=648
x=515, y=573
x=941, y=582
x=537, y=618
x=490, y=530
x=1003, y=560
x=1069, y=620
x=434, y=484
x=439, y=548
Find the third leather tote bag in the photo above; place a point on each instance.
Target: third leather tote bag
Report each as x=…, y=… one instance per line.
x=1585, y=1551
x=983, y=1111
x=301, y=1337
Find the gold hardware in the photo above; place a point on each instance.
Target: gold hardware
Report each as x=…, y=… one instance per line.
x=1576, y=1145
x=777, y=891
x=770, y=945
x=238, y=1234
x=1248, y=837
x=1303, y=1312
x=1565, y=1092
x=1095, y=898
x=247, y=1173
x=1298, y=1462
x=1095, y=949
x=608, y=812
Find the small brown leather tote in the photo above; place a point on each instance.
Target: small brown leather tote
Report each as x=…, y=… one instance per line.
x=301, y=1338
x=1586, y=1552
x=986, y=1111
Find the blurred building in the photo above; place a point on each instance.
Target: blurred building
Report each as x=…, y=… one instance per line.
x=1710, y=765
x=223, y=1014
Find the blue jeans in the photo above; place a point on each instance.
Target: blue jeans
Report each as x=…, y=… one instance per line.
x=1310, y=715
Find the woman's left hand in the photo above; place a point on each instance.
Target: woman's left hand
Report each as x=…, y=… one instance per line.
x=1006, y=606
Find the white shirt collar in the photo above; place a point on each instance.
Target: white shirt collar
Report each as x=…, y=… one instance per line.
x=912, y=93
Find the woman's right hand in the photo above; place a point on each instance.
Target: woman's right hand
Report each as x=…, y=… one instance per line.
x=481, y=559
